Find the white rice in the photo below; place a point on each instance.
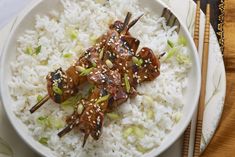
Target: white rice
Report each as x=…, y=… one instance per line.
x=164, y=95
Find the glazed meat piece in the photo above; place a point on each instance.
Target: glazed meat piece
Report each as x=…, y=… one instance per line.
x=62, y=85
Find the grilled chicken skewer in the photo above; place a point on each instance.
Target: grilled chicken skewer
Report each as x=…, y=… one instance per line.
x=114, y=67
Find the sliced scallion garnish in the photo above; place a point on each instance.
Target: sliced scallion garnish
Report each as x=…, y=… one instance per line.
x=102, y=99
x=170, y=43
x=43, y=140
x=182, y=41
x=67, y=55
x=72, y=32
x=127, y=132
x=182, y=59
x=127, y=83
x=55, y=122
x=44, y=62
x=38, y=49
x=86, y=71
x=39, y=98
x=101, y=54
x=57, y=90
x=29, y=50
x=93, y=64
x=44, y=121
x=171, y=53
x=137, y=61
x=150, y=114
x=141, y=149
x=33, y=51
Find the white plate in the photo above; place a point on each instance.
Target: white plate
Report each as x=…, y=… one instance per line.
x=217, y=107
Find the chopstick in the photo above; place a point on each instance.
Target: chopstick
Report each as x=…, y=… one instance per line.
x=186, y=139
x=197, y=25
x=201, y=104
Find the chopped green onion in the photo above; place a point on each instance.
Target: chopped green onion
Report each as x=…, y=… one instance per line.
x=182, y=41
x=177, y=116
x=109, y=63
x=51, y=122
x=86, y=71
x=150, y=114
x=182, y=59
x=80, y=109
x=44, y=62
x=43, y=140
x=127, y=132
x=148, y=100
x=93, y=64
x=170, y=43
x=39, y=98
x=141, y=149
x=137, y=61
x=140, y=61
x=127, y=83
x=102, y=99
x=80, y=68
x=73, y=35
x=29, y=50
x=101, y=54
x=171, y=53
x=56, y=122
x=72, y=100
x=57, y=90
x=44, y=121
x=138, y=131
x=113, y=116
x=38, y=49
x=67, y=55
x=72, y=32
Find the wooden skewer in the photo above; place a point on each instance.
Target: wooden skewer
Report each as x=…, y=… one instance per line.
x=67, y=129
x=126, y=22
x=133, y=22
x=201, y=104
x=186, y=137
x=39, y=104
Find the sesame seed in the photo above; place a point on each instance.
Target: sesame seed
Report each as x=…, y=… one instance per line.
x=77, y=121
